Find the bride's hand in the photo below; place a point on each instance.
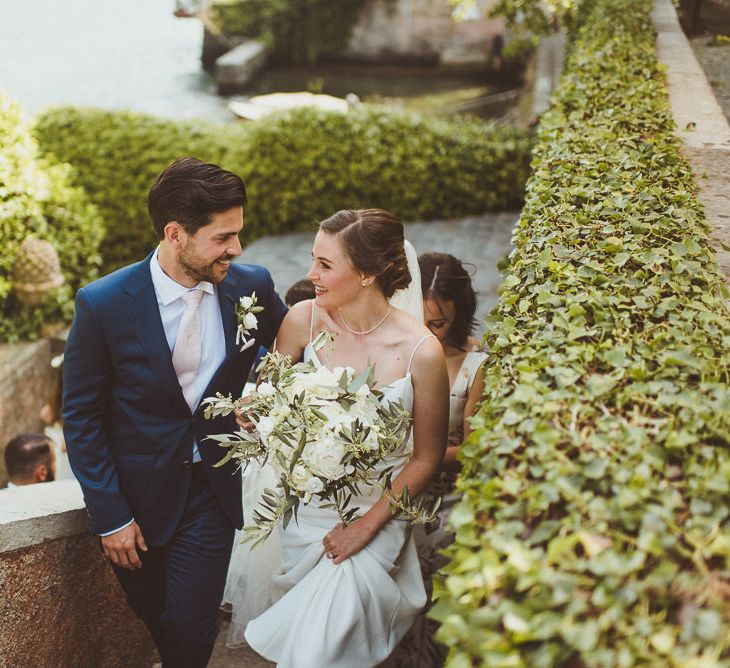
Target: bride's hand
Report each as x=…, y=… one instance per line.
x=342, y=542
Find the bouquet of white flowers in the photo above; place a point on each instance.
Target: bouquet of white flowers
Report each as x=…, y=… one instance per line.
x=324, y=431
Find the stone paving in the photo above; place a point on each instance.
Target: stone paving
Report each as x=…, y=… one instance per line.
x=715, y=61
x=244, y=657
x=481, y=241
x=701, y=126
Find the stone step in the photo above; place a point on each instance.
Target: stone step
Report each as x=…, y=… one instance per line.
x=236, y=68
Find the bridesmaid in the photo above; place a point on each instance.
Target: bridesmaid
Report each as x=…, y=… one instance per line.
x=449, y=305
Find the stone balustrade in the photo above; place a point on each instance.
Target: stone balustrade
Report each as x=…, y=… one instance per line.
x=60, y=604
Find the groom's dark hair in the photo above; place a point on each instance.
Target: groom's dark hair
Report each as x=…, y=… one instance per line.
x=189, y=192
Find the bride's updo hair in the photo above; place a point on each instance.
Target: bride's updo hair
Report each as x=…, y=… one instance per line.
x=373, y=241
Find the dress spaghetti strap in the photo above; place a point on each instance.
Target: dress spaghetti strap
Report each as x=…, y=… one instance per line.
x=311, y=322
x=418, y=345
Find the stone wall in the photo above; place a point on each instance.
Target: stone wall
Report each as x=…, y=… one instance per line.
x=423, y=30
x=28, y=382
x=404, y=31
x=60, y=604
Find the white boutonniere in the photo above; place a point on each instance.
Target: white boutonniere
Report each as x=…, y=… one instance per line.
x=246, y=311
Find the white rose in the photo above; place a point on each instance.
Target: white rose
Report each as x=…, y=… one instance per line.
x=250, y=321
x=332, y=411
x=363, y=390
x=324, y=383
x=302, y=382
x=371, y=441
x=365, y=410
x=338, y=422
x=300, y=478
x=324, y=458
x=265, y=426
x=266, y=390
x=315, y=384
x=314, y=485
x=246, y=302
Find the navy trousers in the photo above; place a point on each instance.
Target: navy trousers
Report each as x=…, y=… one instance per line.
x=178, y=591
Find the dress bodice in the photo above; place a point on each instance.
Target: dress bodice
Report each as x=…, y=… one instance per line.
x=398, y=390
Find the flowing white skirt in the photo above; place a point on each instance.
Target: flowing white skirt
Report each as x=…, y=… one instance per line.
x=348, y=615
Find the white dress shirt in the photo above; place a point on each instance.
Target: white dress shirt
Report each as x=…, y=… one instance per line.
x=169, y=300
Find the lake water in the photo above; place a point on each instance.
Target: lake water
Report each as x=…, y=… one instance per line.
x=136, y=55
x=116, y=55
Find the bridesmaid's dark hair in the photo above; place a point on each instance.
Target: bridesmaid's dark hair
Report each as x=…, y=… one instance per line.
x=444, y=279
x=373, y=240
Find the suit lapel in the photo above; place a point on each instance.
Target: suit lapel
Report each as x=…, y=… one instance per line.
x=140, y=303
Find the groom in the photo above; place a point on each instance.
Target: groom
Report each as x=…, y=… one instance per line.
x=148, y=342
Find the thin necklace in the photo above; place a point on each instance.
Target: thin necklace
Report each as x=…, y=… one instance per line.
x=368, y=331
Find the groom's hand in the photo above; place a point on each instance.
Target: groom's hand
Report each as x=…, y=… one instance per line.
x=121, y=547
x=242, y=417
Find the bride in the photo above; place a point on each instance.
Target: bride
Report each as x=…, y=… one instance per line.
x=349, y=594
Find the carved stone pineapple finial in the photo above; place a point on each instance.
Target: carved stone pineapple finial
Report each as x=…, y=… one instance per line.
x=36, y=271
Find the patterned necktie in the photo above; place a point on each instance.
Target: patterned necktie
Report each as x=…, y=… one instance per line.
x=186, y=355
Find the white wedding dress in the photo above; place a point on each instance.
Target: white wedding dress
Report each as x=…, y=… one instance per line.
x=350, y=615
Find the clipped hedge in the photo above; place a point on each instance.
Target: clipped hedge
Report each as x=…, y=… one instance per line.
x=37, y=200
x=299, y=167
x=116, y=156
x=594, y=525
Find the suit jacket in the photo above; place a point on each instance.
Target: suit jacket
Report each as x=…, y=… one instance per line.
x=129, y=431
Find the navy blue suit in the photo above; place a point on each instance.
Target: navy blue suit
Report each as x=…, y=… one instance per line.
x=129, y=433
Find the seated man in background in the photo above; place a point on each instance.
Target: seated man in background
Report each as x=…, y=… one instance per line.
x=30, y=458
x=298, y=292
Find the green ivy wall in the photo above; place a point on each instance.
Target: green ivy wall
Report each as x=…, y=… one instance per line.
x=594, y=526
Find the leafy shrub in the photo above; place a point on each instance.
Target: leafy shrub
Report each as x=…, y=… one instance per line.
x=304, y=165
x=37, y=201
x=117, y=156
x=299, y=167
x=594, y=525
x=539, y=17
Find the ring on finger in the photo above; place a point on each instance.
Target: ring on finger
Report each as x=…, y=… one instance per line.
x=329, y=555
